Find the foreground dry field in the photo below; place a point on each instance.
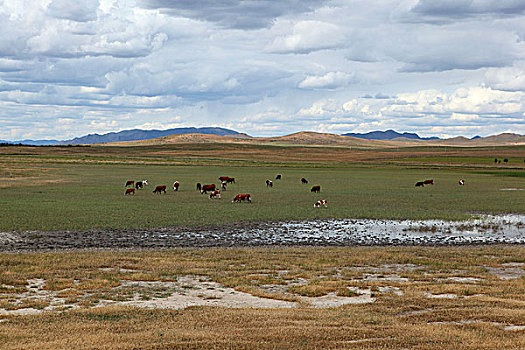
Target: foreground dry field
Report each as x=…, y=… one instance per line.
x=274, y=298
x=469, y=297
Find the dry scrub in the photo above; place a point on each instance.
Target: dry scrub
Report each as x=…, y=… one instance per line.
x=424, y=298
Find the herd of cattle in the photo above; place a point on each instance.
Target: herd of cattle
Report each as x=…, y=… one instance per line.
x=243, y=197
x=131, y=186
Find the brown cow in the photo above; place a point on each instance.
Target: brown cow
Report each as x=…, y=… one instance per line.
x=215, y=193
x=160, y=189
x=207, y=188
x=130, y=191
x=242, y=197
x=316, y=189
x=130, y=183
x=227, y=179
x=304, y=181
x=428, y=182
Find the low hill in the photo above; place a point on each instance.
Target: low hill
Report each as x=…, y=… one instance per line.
x=138, y=134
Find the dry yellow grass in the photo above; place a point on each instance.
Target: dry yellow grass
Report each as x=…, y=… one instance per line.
x=478, y=316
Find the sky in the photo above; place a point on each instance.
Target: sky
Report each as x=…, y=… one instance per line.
x=439, y=68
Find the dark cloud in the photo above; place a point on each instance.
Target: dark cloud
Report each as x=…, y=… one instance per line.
x=78, y=11
x=446, y=10
x=239, y=14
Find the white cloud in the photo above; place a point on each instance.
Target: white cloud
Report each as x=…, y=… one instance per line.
x=262, y=67
x=308, y=36
x=330, y=81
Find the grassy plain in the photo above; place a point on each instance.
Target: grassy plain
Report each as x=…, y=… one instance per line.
x=78, y=188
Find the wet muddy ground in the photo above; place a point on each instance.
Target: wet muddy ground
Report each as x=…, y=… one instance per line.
x=487, y=229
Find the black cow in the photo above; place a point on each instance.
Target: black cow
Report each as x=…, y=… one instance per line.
x=420, y=184
x=199, y=186
x=278, y=177
x=316, y=189
x=304, y=181
x=269, y=183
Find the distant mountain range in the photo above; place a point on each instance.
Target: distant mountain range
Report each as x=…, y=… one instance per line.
x=389, y=135
x=200, y=135
x=131, y=135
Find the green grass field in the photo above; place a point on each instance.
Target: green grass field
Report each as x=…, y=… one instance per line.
x=87, y=196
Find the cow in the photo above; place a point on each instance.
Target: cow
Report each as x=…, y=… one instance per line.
x=269, y=183
x=215, y=193
x=130, y=191
x=223, y=178
x=278, y=177
x=223, y=185
x=141, y=184
x=207, y=188
x=230, y=180
x=304, y=181
x=130, y=183
x=176, y=186
x=420, y=184
x=242, y=197
x=199, y=186
x=160, y=189
x=316, y=189
x=461, y=182
x=321, y=202
x=429, y=182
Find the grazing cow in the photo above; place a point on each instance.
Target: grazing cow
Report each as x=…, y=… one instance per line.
x=304, y=181
x=207, y=188
x=278, y=177
x=316, y=189
x=176, y=186
x=130, y=191
x=223, y=185
x=269, y=183
x=130, y=183
x=420, y=184
x=160, y=189
x=321, y=202
x=141, y=184
x=242, y=197
x=215, y=193
x=227, y=179
x=199, y=186
x=429, y=182
x=461, y=182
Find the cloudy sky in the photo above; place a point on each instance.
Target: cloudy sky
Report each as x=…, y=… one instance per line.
x=264, y=67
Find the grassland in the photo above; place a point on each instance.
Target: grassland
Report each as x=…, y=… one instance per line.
x=79, y=188
x=423, y=298
x=485, y=313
